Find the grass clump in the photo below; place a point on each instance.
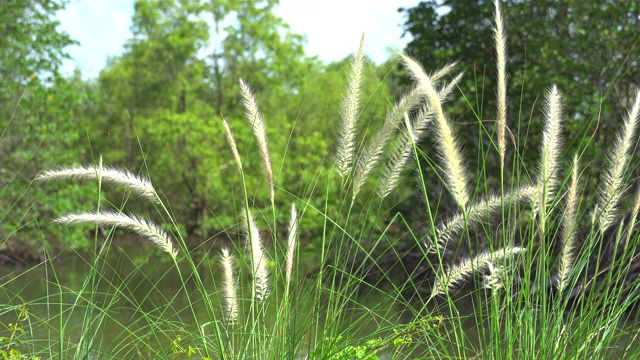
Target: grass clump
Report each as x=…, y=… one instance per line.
x=521, y=266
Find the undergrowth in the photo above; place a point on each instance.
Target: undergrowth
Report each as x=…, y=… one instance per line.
x=532, y=269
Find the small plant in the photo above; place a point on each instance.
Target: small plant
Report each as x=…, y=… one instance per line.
x=8, y=350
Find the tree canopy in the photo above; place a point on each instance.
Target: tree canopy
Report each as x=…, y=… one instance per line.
x=589, y=49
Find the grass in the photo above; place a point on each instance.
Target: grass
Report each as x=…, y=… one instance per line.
x=529, y=270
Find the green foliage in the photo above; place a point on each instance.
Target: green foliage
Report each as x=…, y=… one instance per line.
x=39, y=115
x=590, y=50
x=163, y=102
x=30, y=45
x=8, y=344
x=401, y=336
x=157, y=110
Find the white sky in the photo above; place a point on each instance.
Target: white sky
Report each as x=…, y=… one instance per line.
x=333, y=28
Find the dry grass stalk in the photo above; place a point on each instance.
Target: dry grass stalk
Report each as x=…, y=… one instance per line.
x=259, y=132
x=455, y=173
x=350, y=108
x=140, y=226
x=231, y=300
x=139, y=186
x=610, y=193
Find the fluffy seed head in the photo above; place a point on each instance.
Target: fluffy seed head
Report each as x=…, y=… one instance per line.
x=568, y=228
x=140, y=226
x=480, y=211
x=610, y=193
x=374, y=151
x=549, y=169
x=231, y=301
x=259, y=132
x=466, y=267
x=291, y=243
x=501, y=54
x=402, y=150
x=455, y=173
x=232, y=145
x=258, y=259
x=350, y=108
x=138, y=185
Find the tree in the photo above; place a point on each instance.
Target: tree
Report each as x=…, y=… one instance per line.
x=590, y=49
x=30, y=46
x=39, y=113
x=164, y=99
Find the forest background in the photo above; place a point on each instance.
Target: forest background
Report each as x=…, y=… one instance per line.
x=157, y=108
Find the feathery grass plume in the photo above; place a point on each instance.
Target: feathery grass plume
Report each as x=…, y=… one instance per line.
x=495, y=279
x=501, y=54
x=610, y=193
x=466, y=267
x=481, y=211
x=401, y=153
x=549, y=169
x=232, y=145
x=258, y=258
x=291, y=243
x=259, y=131
x=569, y=228
x=231, y=300
x=402, y=150
x=455, y=173
x=350, y=107
x=138, y=225
x=139, y=186
x=374, y=151
x=634, y=216
x=407, y=124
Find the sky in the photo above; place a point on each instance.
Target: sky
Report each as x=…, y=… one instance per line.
x=333, y=28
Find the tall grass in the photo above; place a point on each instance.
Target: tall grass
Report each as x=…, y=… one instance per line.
x=529, y=270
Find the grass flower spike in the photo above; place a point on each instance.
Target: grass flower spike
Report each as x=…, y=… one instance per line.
x=258, y=259
x=569, y=224
x=291, y=243
x=140, y=226
x=231, y=301
x=461, y=271
x=610, y=193
x=501, y=55
x=350, y=108
x=481, y=211
x=549, y=168
x=402, y=151
x=139, y=186
x=455, y=173
x=259, y=132
x=232, y=145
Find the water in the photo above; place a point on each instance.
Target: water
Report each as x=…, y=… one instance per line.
x=141, y=309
